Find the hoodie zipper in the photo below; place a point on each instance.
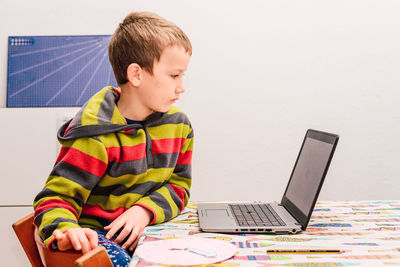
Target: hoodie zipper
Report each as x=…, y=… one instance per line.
x=149, y=154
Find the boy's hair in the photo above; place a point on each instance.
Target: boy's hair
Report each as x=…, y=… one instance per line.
x=141, y=38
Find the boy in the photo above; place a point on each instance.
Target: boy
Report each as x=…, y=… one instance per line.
x=125, y=160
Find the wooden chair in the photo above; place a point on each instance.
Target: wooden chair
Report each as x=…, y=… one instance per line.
x=39, y=255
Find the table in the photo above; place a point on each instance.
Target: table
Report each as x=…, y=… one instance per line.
x=368, y=233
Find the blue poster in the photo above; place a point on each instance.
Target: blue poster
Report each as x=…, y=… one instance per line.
x=56, y=71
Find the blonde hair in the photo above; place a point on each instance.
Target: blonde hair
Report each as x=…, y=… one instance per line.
x=141, y=38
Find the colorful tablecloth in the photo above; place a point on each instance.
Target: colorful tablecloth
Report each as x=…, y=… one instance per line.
x=367, y=233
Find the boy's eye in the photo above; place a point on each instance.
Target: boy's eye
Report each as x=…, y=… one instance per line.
x=175, y=76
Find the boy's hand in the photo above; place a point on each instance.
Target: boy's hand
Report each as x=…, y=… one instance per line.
x=132, y=222
x=84, y=239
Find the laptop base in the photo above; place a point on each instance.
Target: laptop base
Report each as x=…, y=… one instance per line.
x=218, y=217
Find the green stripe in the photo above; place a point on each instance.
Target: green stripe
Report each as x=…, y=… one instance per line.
x=128, y=180
x=121, y=139
x=89, y=146
x=180, y=181
x=54, y=214
x=70, y=201
x=68, y=188
x=88, y=116
x=90, y=223
x=187, y=145
x=173, y=110
x=169, y=131
x=112, y=202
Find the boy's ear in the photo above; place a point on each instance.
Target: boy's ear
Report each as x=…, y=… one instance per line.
x=134, y=74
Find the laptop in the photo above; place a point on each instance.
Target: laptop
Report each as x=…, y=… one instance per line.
x=293, y=213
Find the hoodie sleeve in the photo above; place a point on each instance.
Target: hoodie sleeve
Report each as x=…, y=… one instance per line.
x=170, y=199
x=78, y=168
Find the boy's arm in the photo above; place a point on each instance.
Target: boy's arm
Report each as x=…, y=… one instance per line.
x=79, y=166
x=169, y=200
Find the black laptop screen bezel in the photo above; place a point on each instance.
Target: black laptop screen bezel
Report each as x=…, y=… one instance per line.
x=302, y=218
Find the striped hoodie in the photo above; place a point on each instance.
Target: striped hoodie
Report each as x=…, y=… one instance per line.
x=106, y=166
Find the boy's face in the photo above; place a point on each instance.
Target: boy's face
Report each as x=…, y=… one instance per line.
x=162, y=88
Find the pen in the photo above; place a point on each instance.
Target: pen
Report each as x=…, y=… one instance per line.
x=206, y=254
x=304, y=251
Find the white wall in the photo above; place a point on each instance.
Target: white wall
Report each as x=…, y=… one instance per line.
x=262, y=72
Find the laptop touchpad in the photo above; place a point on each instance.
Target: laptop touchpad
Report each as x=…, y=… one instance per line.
x=217, y=212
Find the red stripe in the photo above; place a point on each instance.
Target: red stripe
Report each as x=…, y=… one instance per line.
x=62, y=153
x=185, y=158
x=67, y=130
x=167, y=145
x=126, y=153
x=181, y=193
x=117, y=91
x=100, y=212
x=82, y=160
x=55, y=203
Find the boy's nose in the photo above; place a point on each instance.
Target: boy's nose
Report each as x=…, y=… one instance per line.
x=180, y=89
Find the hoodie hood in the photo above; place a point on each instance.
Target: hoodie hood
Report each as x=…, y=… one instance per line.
x=100, y=115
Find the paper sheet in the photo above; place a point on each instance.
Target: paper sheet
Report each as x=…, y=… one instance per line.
x=172, y=251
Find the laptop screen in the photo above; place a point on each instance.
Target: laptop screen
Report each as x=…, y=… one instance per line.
x=308, y=174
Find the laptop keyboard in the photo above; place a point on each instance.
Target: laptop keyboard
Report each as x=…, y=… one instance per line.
x=256, y=215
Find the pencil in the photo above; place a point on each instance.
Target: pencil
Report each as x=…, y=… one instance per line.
x=303, y=251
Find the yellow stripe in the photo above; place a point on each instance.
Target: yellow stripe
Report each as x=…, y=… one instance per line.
x=180, y=181
x=89, y=115
x=51, y=197
x=89, y=146
x=128, y=180
x=111, y=202
x=168, y=131
x=117, y=116
x=122, y=139
x=66, y=187
x=188, y=145
x=90, y=223
x=63, y=226
x=173, y=110
x=54, y=214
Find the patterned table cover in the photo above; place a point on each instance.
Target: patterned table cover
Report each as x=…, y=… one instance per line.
x=368, y=233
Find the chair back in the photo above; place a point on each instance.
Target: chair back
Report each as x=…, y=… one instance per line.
x=24, y=229
x=40, y=256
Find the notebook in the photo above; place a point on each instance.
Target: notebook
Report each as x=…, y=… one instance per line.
x=293, y=213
